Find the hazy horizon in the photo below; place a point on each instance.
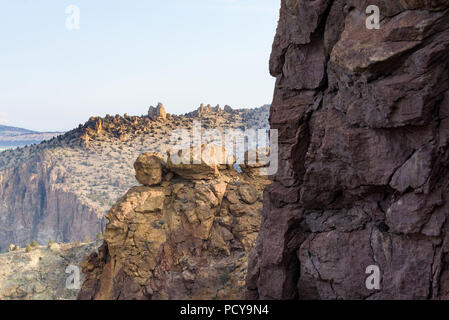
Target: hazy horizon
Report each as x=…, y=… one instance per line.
x=129, y=55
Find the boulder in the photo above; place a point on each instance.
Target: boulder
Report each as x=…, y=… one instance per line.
x=149, y=167
x=227, y=108
x=247, y=194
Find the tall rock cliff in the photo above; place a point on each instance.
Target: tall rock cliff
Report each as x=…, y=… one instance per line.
x=61, y=188
x=184, y=234
x=363, y=120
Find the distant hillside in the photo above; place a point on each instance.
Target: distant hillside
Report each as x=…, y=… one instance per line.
x=18, y=137
x=15, y=130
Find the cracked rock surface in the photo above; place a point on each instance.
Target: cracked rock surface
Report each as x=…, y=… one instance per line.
x=185, y=237
x=363, y=179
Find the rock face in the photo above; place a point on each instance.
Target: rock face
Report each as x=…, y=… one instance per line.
x=363, y=120
x=60, y=189
x=35, y=205
x=207, y=166
x=188, y=237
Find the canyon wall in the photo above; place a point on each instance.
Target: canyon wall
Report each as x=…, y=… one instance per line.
x=363, y=180
x=36, y=206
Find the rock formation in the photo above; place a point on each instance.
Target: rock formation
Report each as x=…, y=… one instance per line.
x=60, y=189
x=363, y=180
x=185, y=234
x=157, y=113
x=40, y=274
x=148, y=168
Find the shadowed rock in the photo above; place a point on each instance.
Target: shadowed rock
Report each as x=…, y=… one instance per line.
x=362, y=180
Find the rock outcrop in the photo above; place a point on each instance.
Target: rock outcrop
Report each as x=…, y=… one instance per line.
x=157, y=113
x=185, y=237
x=149, y=168
x=363, y=180
x=40, y=274
x=36, y=205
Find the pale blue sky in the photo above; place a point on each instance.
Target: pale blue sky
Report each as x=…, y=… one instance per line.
x=130, y=54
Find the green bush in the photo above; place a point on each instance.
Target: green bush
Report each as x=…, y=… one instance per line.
x=224, y=278
x=28, y=248
x=50, y=243
x=34, y=244
x=100, y=235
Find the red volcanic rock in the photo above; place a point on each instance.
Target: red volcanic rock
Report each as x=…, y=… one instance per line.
x=363, y=176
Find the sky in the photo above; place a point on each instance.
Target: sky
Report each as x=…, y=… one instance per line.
x=128, y=55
